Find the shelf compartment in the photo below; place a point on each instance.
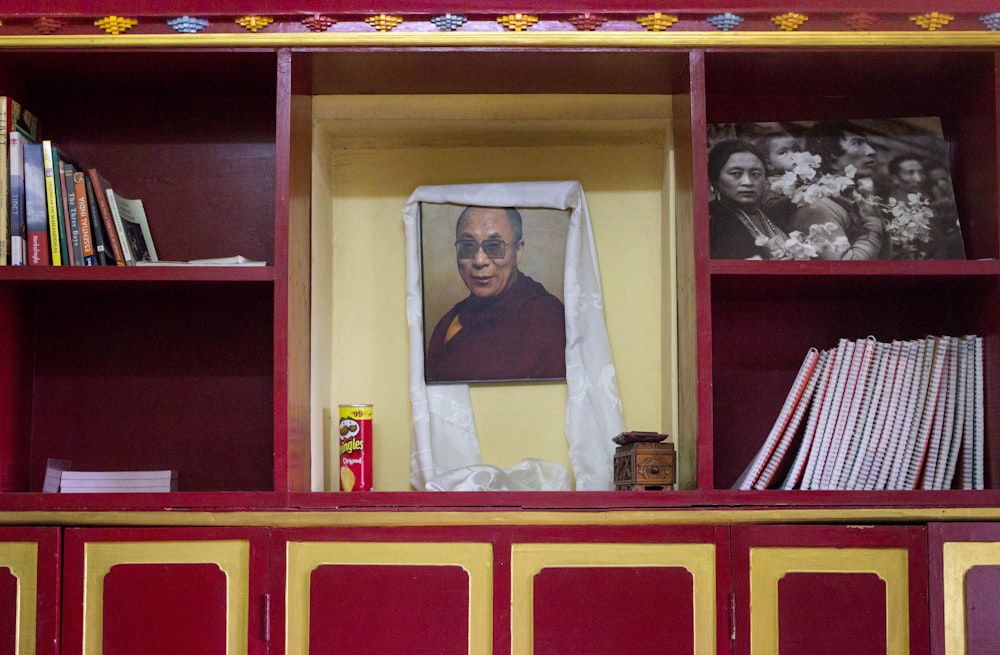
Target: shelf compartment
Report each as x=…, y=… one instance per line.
x=142, y=377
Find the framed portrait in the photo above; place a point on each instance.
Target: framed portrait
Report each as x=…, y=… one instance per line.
x=492, y=292
x=857, y=189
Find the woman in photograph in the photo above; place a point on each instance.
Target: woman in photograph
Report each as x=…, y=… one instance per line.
x=738, y=226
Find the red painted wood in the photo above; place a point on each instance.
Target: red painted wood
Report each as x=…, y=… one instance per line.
x=613, y=610
x=8, y=612
x=831, y=613
x=179, y=603
x=357, y=610
x=982, y=610
x=156, y=379
x=165, y=609
x=45, y=592
x=746, y=537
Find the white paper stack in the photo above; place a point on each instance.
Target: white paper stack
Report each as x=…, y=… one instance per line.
x=83, y=482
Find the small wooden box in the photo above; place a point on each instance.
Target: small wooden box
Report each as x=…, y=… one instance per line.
x=644, y=466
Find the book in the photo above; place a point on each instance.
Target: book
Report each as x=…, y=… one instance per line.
x=98, y=232
x=854, y=467
x=923, y=355
x=53, y=205
x=794, y=397
x=118, y=481
x=36, y=213
x=18, y=230
x=929, y=419
x=235, y=260
x=13, y=118
x=846, y=427
x=87, y=250
x=978, y=426
x=830, y=410
x=99, y=185
x=796, y=471
x=54, y=468
x=134, y=234
x=71, y=219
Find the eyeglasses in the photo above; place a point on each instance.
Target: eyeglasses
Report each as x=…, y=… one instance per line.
x=492, y=248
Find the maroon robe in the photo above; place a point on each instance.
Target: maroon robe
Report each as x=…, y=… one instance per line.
x=516, y=335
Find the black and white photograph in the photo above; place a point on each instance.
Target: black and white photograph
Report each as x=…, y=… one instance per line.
x=858, y=189
x=493, y=292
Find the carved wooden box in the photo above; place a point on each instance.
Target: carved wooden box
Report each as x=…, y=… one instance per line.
x=645, y=466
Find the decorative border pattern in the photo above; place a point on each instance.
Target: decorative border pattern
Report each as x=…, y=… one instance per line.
x=25, y=24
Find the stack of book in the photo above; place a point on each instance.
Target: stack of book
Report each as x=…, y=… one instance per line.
x=54, y=211
x=874, y=415
x=81, y=482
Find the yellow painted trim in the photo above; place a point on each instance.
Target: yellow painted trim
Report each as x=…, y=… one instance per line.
x=527, y=560
x=665, y=39
x=769, y=565
x=22, y=561
x=305, y=556
x=232, y=557
x=436, y=517
x=959, y=557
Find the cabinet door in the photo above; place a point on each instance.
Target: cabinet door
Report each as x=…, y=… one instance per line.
x=964, y=588
x=29, y=591
x=621, y=593
x=164, y=591
x=830, y=589
x=351, y=594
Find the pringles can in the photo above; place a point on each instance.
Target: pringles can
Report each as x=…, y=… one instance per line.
x=355, y=430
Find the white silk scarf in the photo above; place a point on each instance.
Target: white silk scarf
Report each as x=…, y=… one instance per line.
x=445, y=453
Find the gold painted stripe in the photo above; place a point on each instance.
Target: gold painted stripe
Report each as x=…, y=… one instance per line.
x=769, y=565
x=527, y=560
x=959, y=557
x=707, y=39
x=305, y=556
x=22, y=561
x=392, y=518
x=232, y=557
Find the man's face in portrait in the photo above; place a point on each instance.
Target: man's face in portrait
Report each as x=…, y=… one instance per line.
x=910, y=176
x=857, y=152
x=488, y=254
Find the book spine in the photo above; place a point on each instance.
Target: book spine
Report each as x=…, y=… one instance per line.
x=948, y=433
x=109, y=222
x=795, y=474
x=70, y=218
x=844, y=432
x=929, y=418
x=35, y=211
x=828, y=417
x=18, y=248
x=923, y=352
x=979, y=429
x=873, y=393
x=958, y=431
x=881, y=462
x=6, y=236
x=87, y=251
x=926, y=468
x=52, y=205
x=968, y=379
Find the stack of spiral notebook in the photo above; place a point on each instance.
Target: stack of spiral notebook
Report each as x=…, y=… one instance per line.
x=59, y=477
x=873, y=415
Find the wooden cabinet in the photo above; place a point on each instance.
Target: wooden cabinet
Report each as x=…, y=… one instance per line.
x=811, y=589
x=164, y=590
x=964, y=564
x=29, y=590
x=519, y=589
